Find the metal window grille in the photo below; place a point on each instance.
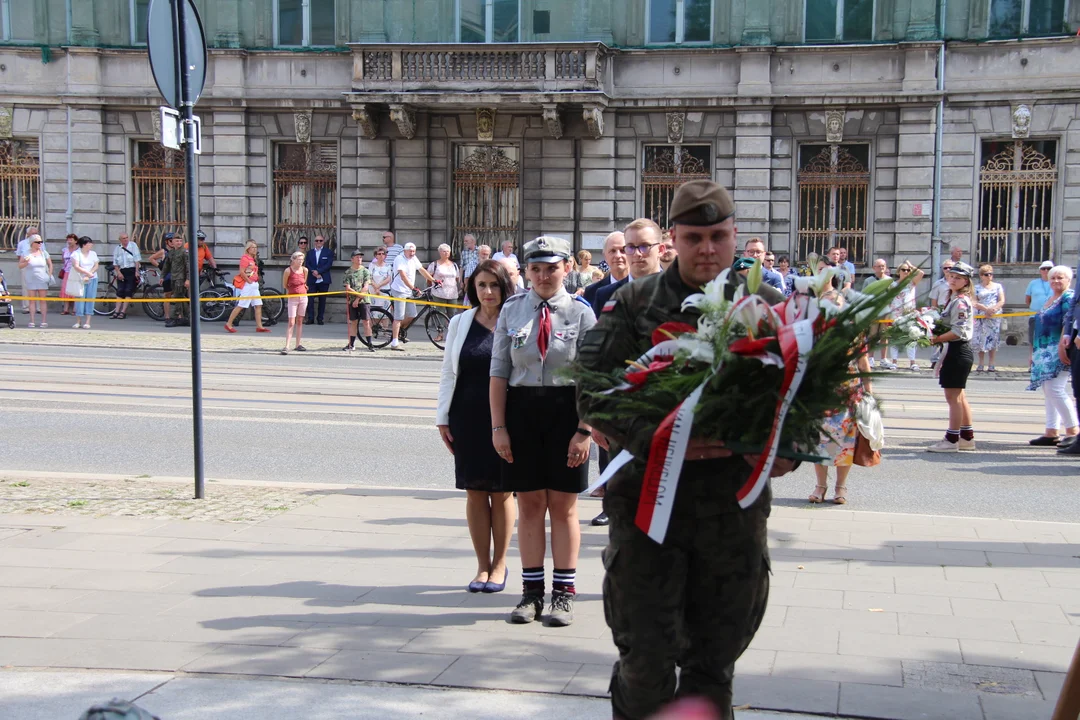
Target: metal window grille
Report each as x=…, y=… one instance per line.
x=1016, y=202
x=158, y=186
x=834, y=186
x=665, y=168
x=20, y=190
x=305, y=195
x=487, y=195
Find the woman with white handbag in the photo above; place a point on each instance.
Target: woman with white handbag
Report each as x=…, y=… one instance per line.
x=82, y=281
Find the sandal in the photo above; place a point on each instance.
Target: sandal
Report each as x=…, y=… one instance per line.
x=818, y=496
x=838, y=495
x=121, y=316
x=301, y=348
x=979, y=369
x=991, y=369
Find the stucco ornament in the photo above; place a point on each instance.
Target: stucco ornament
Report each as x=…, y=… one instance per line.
x=676, y=122
x=1021, y=121
x=155, y=120
x=834, y=126
x=594, y=121
x=365, y=119
x=7, y=114
x=552, y=121
x=405, y=119
x=485, y=123
x=302, y=123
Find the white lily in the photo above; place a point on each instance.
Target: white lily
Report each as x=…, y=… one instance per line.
x=696, y=349
x=750, y=311
x=712, y=294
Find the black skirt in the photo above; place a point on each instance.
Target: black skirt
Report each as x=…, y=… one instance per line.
x=956, y=361
x=541, y=423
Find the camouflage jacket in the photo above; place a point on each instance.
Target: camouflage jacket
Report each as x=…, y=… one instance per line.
x=623, y=333
x=175, y=265
x=358, y=280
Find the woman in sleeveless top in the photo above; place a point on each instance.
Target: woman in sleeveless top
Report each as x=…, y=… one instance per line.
x=295, y=282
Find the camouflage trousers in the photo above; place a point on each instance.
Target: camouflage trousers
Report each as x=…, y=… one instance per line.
x=179, y=310
x=696, y=601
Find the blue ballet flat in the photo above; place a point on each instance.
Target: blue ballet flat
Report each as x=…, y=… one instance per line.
x=476, y=586
x=490, y=587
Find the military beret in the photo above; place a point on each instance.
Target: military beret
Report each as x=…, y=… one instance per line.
x=743, y=263
x=548, y=249
x=701, y=202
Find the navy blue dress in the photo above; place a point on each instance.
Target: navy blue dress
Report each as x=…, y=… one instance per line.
x=476, y=464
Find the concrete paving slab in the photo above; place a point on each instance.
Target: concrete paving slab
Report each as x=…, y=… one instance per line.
x=1017, y=655
x=787, y=693
x=412, y=668
x=954, y=678
x=875, y=701
x=897, y=603
x=841, y=668
x=903, y=647
x=940, y=626
x=32, y=623
x=1008, y=708
x=1050, y=683
x=134, y=654
x=530, y=673
x=259, y=660
x=1008, y=610
x=354, y=637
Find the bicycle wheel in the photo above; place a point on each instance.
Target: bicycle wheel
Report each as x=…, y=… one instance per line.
x=213, y=304
x=155, y=310
x=106, y=308
x=273, y=308
x=381, y=333
x=436, y=323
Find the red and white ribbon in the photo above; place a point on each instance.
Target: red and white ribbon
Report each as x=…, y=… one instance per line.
x=796, y=341
x=666, y=456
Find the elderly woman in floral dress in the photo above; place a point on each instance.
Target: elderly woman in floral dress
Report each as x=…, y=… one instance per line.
x=989, y=299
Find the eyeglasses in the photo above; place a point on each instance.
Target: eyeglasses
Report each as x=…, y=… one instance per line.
x=320, y=241
x=987, y=274
x=643, y=249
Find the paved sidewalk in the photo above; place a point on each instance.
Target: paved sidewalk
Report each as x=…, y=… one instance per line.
x=46, y=695
x=871, y=615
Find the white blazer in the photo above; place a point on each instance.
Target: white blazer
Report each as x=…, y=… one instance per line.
x=455, y=340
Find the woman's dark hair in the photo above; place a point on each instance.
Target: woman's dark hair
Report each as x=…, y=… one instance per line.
x=783, y=259
x=497, y=269
x=85, y=240
x=70, y=236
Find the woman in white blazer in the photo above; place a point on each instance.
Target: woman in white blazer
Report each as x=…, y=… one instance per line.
x=464, y=421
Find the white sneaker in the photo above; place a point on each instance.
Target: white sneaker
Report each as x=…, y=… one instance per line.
x=395, y=346
x=30, y=325
x=945, y=446
x=77, y=326
x=967, y=445
x=914, y=367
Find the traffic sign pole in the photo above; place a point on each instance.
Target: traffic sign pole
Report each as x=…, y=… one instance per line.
x=187, y=110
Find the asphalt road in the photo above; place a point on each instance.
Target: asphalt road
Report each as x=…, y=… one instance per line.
x=368, y=421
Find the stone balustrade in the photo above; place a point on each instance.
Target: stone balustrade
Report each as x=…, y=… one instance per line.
x=538, y=67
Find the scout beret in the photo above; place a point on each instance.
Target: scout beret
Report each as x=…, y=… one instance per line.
x=547, y=249
x=743, y=263
x=962, y=269
x=701, y=202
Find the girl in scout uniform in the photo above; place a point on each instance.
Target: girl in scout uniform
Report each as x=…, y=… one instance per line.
x=535, y=426
x=957, y=358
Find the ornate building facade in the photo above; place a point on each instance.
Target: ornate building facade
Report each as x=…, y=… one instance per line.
x=512, y=118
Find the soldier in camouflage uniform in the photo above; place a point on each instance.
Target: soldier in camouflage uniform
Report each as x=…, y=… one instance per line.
x=357, y=309
x=176, y=266
x=697, y=599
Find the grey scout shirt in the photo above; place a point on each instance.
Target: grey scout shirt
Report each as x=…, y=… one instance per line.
x=515, y=355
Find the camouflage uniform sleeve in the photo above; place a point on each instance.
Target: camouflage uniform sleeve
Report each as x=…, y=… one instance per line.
x=604, y=348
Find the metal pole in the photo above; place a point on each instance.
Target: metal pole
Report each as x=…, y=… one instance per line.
x=193, y=245
x=935, y=237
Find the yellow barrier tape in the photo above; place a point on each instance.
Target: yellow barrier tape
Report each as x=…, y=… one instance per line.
x=228, y=298
x=1023, y=313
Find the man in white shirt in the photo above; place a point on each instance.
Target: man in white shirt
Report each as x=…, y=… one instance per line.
x=404, y=286
x=506, y=253
x=126, y=262
x=21, y=251
x=939, y=292
x=618, y=265
x=514, y=272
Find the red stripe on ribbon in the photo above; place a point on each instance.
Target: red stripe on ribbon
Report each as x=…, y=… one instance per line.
x=654, y=470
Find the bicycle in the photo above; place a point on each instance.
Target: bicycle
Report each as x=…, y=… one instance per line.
x=436, y=322
x=155, y=291
x=382, y=321
x=217, y=298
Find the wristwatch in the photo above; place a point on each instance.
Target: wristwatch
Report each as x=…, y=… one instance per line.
x=583, y=431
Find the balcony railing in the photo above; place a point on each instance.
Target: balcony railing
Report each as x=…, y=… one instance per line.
x=449, y=68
